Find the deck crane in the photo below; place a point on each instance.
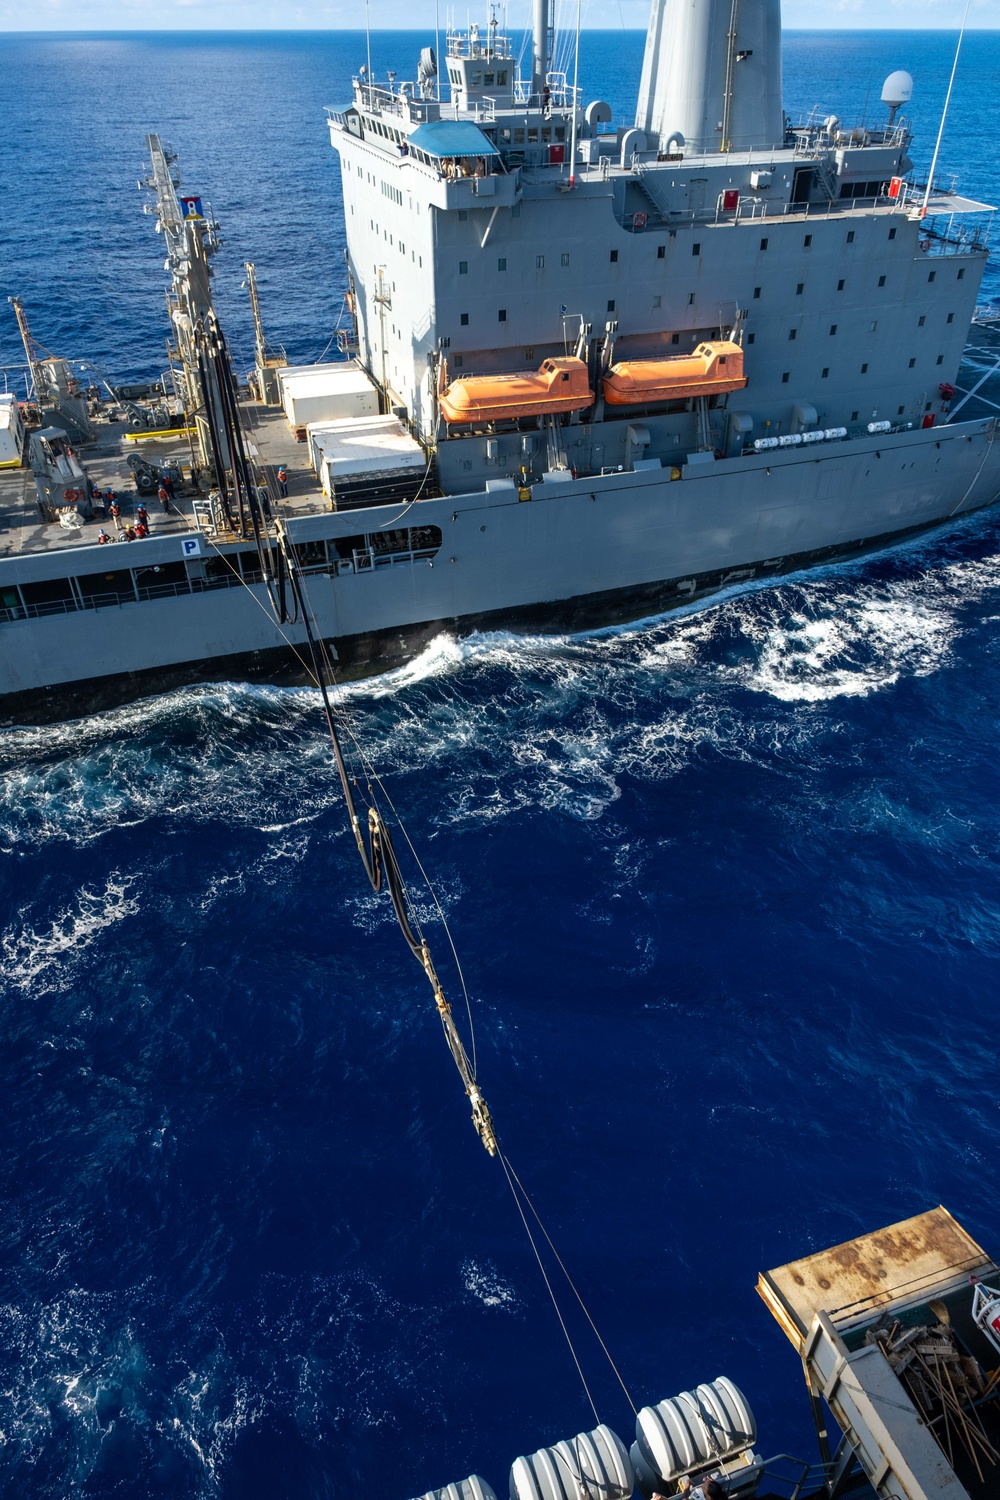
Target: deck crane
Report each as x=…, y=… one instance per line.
x=267, y=360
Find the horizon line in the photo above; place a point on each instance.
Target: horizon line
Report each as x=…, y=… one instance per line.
x=428, y=26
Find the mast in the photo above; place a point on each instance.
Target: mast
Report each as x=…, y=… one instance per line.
x=540, y=47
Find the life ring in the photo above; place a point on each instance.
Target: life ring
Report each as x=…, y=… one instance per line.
x=925, y=245
x=639, y=221
x=70, y=496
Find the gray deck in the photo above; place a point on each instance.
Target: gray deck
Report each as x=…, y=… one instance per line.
x=23, y=531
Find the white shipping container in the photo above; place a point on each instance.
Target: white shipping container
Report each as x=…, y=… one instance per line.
x=326, y=393
x=11, y=433
x=318, y=432
x=353, y=449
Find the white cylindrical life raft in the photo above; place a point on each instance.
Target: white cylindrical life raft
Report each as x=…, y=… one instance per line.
x=472, y=1488
x=592, y=1466
x=692, y=1431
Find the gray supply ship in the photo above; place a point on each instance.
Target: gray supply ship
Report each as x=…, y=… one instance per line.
x=594, y=372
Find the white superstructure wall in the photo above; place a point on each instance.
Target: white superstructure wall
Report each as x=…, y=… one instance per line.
x=711, y=75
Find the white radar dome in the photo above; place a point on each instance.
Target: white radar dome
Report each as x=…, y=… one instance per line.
x=897, y=89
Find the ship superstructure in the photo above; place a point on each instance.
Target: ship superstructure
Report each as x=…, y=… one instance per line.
x=478, y=247
x=595, y=370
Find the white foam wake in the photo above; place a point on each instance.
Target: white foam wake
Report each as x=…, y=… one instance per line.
x=504, y=723
x=32, y=954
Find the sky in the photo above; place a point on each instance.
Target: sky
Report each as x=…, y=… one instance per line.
x=248, y=15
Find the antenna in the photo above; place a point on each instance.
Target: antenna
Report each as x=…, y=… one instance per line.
x=944, y=113
x=368, y=41
x=437, y=45
x=897, y=91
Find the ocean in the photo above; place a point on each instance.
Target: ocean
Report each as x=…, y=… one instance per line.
x=725, y=888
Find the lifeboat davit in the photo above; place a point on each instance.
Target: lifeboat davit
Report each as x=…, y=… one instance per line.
x=712, y=370
x=559, y=385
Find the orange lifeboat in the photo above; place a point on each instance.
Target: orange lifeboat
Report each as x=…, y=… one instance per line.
x=559, y=385
x=711, y=370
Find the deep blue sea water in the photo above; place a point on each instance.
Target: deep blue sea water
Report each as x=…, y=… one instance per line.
x=725, y=886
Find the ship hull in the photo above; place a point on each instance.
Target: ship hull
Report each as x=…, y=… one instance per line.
x=579, y=555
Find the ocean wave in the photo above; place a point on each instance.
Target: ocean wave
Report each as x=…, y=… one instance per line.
x=485, y=1285
x=78, y=1369
x=43, y=955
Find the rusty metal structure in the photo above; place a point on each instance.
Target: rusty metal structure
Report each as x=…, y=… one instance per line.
x=885, y=1328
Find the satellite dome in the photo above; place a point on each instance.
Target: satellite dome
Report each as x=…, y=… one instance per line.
x=897, y=89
